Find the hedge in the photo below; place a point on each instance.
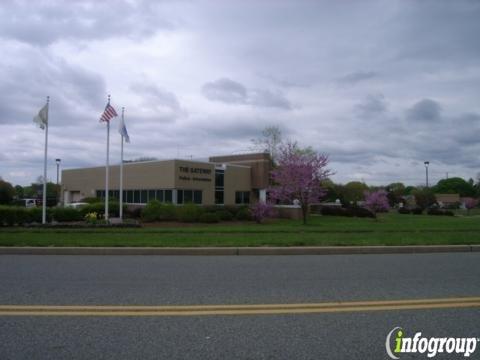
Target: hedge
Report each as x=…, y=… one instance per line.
x=353, y=211
x=189, y=213
x=156, y=211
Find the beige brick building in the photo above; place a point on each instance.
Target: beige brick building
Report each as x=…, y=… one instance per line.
x=228, y=180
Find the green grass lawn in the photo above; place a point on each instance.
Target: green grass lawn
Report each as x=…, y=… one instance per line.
x=388, y=229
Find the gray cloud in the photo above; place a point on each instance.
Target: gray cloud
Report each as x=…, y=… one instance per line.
x=43, y=23
x=72, y=89
x=358, y=76
x=372, y=106
x=225, y=90
x=232, y=92
x=425, y=110
x=156, y=97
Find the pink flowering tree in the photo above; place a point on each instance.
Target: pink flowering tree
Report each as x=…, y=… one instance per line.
x=298, y=176
x=377, y=201
x=470, y=203
x=261, y=211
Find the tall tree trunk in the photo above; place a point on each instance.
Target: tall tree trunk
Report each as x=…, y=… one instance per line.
x=304, y=213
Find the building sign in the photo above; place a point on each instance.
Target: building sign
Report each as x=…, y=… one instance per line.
x=194, y=174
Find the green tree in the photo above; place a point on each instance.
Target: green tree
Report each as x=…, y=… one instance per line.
x=395, y=191
x=7, y=192
x=455, y=185
x=19, y=191
x=424, y=197
x=354, y=191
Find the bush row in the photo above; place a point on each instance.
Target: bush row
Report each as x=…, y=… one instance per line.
x=157, y=211
x=349, y=212
x=17, y=215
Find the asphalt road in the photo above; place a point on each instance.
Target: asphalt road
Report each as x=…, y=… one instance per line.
x=169, y=280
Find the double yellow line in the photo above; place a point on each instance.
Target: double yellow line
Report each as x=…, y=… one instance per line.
x=258, y=309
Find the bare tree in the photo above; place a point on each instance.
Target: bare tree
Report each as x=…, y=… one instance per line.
x=270, y=141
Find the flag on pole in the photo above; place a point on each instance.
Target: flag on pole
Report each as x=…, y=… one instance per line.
x=41, y=119
x=122, y=129
x=109, y=113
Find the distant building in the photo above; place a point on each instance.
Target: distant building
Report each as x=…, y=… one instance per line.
x=445, y=200
x=223, y=180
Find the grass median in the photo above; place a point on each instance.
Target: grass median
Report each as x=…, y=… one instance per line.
x=388, y=229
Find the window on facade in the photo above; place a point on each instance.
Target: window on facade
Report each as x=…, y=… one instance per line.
x=187, y=196
x=179, y=196
x=151, y=195
x=242, y=197
x=197, y=197
x=136, y=196
x=129, y=196
x=159, y=195
x=143, y=196
x=219, y=178
x=219, y=197
x=168, y=196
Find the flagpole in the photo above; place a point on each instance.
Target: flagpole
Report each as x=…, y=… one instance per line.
x=107, y=165
x=121, y=172
x=44, y=201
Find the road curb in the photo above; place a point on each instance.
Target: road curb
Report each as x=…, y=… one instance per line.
x=228, y=251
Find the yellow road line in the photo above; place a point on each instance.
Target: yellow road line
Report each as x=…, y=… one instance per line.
x=254, y=309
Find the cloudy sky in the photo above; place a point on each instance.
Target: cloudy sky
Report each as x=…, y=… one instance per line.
x=380, y=86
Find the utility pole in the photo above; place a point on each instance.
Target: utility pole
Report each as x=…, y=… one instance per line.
x=426, y=171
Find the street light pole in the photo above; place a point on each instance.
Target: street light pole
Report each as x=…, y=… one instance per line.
x=426, y=171
x=58, y=168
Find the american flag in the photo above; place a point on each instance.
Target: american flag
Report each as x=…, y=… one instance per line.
x=109, y=113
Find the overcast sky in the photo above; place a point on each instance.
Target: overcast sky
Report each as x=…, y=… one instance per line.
x=380, y=86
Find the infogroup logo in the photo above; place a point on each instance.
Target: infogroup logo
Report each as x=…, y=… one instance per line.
x=431, y=346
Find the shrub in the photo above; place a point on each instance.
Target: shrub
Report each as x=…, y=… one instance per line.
x=261, y=210
x=189, y=213
x=332, y=211
x=66, y=214
x=439, y=212
x=209, y=217
x=403, y=210
x=232, y=209
x=16, y=215
x=134, y=213
x=243, y=214
x=362, y=212
x=156, y=211
x=224, y=215
x=417, y=211
x=99, y=208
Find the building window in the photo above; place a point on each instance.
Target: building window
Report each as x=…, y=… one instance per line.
x=219, y=186
x=242, y=197
x=187, y=196
x=219, y=178
x=219, y=197
x=136, y=196
x=151, y=195
x=129, y=196
x=168, y=196
x=143, y=196
x=159, y=195
x=197, y=197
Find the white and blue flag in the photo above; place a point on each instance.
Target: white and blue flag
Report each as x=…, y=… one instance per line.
x=122, y=129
